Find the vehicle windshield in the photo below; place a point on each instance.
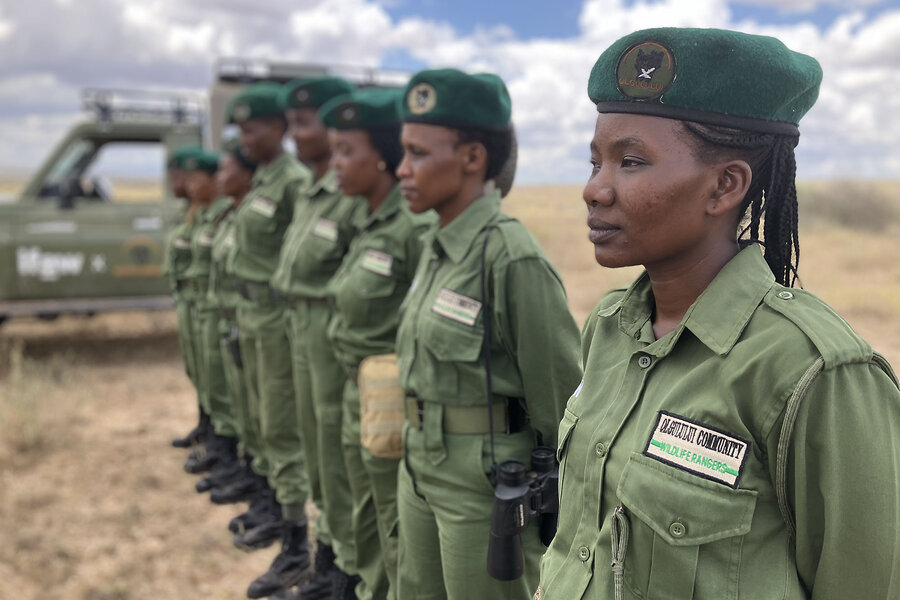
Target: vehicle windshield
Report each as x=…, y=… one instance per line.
x=73, y=156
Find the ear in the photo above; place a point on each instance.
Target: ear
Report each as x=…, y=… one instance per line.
x=475, y=158
x=732, y=182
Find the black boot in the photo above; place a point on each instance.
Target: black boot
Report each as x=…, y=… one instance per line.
x=289, y=567
x=343, y=586
x=319, y=584
x=195, y=434
x=262, y=509
x=227, y=468
x=261, y=529
x=244, y=487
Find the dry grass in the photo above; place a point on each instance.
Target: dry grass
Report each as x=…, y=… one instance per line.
x=93, y=502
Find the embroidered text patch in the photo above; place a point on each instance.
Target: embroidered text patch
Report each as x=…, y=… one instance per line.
x=263, y=206
x=326, y=229
x=377, y=262
x=456, y=306
x=698, y=449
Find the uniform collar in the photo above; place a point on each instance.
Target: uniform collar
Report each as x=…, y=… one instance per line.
x=326, y=184
x=457, y=237
x=391, y=205
x=717, y=318
x=265, y=174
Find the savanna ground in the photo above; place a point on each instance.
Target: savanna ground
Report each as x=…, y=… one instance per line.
x=93, y=502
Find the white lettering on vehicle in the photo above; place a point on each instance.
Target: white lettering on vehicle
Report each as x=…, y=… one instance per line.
x=48, y=266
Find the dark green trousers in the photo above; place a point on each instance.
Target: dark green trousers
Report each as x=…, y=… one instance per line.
x=319, y=384
x=445, y=498
x=270, y=391
x=373, y=483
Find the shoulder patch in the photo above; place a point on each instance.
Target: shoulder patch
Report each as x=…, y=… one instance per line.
x=832, y=336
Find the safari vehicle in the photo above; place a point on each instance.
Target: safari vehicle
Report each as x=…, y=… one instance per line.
x=86, y=234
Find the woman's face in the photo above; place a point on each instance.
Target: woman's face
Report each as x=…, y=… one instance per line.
x=432, y=170
x=201, y=186
x=647, y=196
x=261, y=138
x=178, y=177
x=355, y=161
x=232, y=179
x=309, y=134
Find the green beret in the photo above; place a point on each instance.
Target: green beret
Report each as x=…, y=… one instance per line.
x=312, y=93
x=452, y=98
x=711, y=76
x=254, y=102
x=362, y=109
x=181, y=154
x=205, y=161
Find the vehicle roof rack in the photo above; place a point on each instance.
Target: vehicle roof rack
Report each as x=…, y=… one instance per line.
x=109, y=105
x=251, y=70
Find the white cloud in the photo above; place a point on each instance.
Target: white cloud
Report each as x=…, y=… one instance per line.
x=174, y=43
x=788, y=6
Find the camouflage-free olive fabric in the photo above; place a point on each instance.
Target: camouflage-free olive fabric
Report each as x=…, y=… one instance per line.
x=668, y=452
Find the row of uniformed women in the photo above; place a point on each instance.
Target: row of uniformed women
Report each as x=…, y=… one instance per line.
x=730, y=438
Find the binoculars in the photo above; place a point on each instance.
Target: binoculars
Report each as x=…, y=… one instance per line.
x=519, y=497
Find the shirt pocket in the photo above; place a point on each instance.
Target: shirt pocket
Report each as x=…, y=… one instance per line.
x=455, y=349
x=678, y=519
x=261, y=229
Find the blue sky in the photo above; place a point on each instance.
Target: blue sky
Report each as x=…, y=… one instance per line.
x=543, y=50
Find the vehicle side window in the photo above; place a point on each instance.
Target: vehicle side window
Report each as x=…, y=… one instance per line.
x=126, y=172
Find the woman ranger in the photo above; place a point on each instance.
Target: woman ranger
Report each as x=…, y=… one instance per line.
x=483, y=282
x=367, y=292
x=220, y=443
x=733, y=437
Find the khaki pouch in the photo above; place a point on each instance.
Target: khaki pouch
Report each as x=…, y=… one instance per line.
x=381, y=406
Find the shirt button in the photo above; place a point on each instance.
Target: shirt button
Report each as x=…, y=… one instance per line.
x=600, y=449
x=785, y=295
x=584, y=553
x=644, y=361
x=677, y=529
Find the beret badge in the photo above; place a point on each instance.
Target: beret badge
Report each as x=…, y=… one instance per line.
x=421, y=99
x=241, y=112
x=645, y=71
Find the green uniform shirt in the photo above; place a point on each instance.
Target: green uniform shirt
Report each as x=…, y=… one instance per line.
x=534, y=340
x=177, y=257
x=201, y=244
x=315, y=243
x=683, y=433
x=264, y=215
x=376, y=273
x=222, y=285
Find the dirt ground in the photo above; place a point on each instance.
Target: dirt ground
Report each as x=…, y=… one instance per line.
x=94, y=504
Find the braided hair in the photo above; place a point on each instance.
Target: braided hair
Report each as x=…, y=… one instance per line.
x=771, y=199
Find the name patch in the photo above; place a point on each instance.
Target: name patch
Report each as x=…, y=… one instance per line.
x=263, y=206
x=326, y=229
x=204, y=239
x=698, y=449
x=182, y=243
x=377, y=262
x=456, y=306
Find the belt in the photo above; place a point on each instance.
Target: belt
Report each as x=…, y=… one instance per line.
x=253, y=291
x=294, y=301
x=180, y=284
x=509, y=417
x=229, y=314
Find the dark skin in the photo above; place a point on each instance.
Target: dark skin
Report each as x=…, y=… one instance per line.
x=232, y=179
x=261, y=139
x=201, y=187
x=439, y=172
x=311, y=139
x=652, y=202
x=356, y=161
x=178, y=177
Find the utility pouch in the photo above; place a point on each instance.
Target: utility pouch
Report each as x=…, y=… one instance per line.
x=381, y=406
